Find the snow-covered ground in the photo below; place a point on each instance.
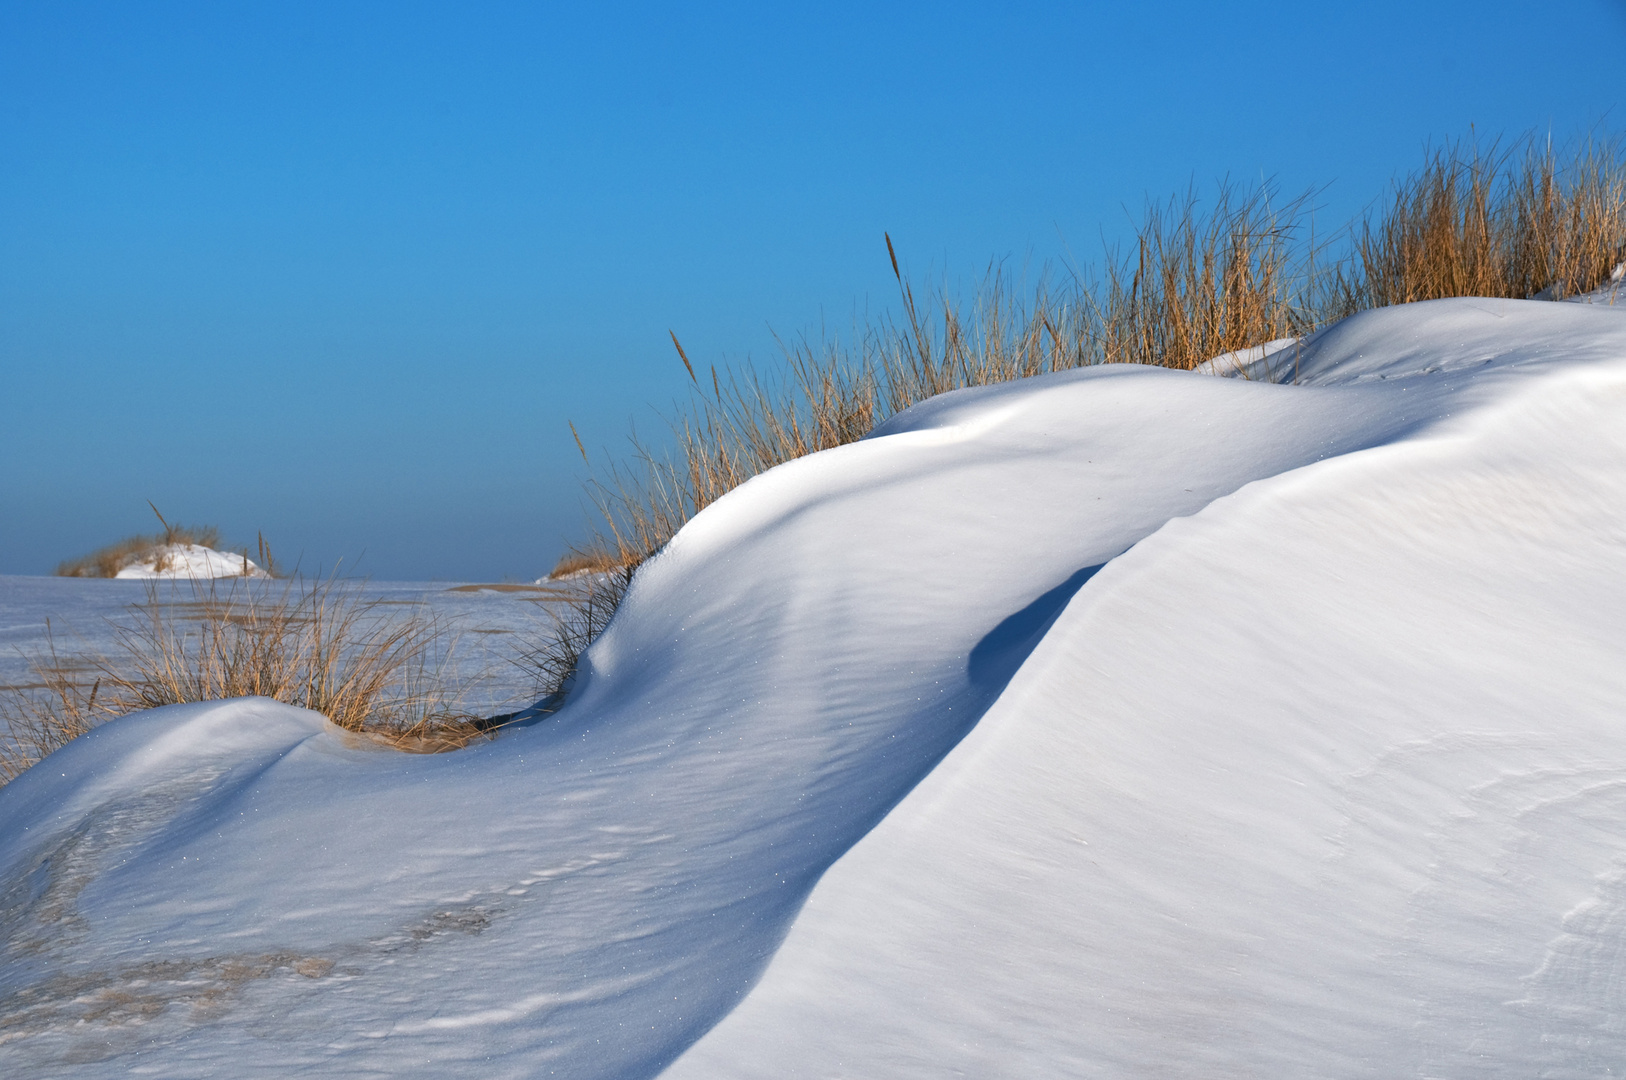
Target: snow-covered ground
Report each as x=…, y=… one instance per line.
x=190, y=561
x=1123, y=722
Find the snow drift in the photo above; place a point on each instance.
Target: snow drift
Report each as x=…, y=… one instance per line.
x=1294, y=748
x=189, y=561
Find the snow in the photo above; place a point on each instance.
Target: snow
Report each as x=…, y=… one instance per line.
x=1325, y=780
x=190, y=561
x=1117, y=722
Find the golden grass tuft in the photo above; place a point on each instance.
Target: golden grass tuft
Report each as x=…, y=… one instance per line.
x=596, y=560
x=1203, y=284
x=317, y=645
x=1482, y=222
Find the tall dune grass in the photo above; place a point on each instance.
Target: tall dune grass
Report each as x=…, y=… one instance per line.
x=1199, y=280
x=1200, y=284
x=1527, y=222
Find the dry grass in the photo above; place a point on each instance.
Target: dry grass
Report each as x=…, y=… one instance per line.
x=1521, y=223
x=588, y=561
x=1204, y=284
x=318, y=645
x=578, y=614
x=1199, y=281
x=1198, y=285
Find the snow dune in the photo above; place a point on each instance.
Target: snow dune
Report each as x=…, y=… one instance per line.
x=1326, y=780
x=1120, y=722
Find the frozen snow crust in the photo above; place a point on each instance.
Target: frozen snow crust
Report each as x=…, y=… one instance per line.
x=1295, y=748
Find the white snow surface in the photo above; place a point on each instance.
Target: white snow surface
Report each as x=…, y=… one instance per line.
x=1123, y=722
x=191, y=561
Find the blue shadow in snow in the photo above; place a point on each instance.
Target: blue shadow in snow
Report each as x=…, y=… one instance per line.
x=1004, y=648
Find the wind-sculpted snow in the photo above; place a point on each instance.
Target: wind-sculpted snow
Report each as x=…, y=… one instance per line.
x=1261, y=786
x=1326, y=780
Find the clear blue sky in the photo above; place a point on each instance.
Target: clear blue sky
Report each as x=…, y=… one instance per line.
x=341, y=272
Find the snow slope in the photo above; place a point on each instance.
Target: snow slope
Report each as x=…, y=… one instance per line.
x=1326, y=780
x=1291, y=751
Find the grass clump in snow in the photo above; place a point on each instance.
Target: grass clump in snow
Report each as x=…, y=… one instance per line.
x=319, y=645
x=587, y=562
x=1198, y=282
x=161, y=552
x=106, y=562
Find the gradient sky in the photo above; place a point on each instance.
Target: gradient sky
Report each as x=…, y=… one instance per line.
x=341, y=272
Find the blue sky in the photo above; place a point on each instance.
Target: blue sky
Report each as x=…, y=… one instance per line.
x=341, y=272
